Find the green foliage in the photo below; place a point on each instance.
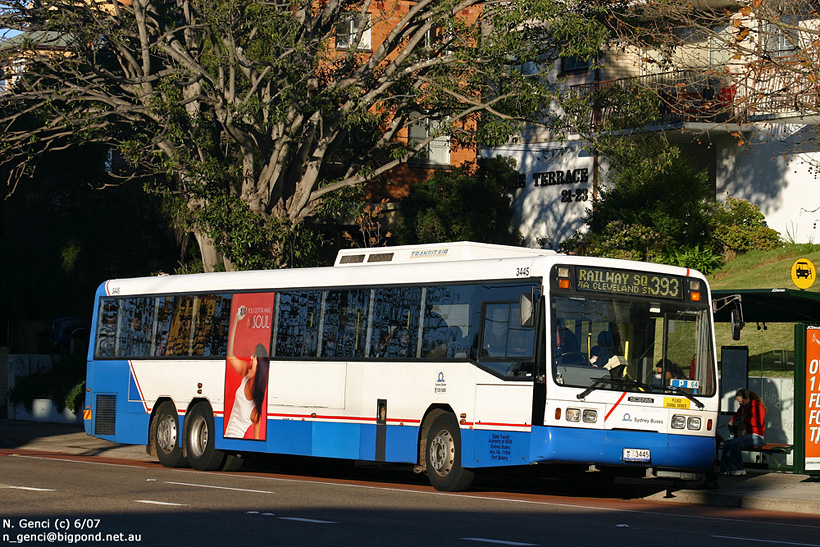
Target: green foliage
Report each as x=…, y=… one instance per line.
x=655, y=200
x=658, y=208
x=739, y=226
x=702, y=258
x=249, y=117
x=75, y=397
x=472, y=203
x=629, y=241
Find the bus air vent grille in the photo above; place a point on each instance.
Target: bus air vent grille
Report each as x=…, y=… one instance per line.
x=352, y=259
x=380, y=257
x=105, y=421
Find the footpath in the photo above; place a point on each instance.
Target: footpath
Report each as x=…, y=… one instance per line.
x=758, y=489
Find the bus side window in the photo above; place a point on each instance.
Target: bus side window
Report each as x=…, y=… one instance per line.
x=448, y=319
x=297, y=324
x=395, y=322
x=179, y=332
x=163, y=316
x=135, y=327
x=506, y=346
x=345, y=323
x=107, y=319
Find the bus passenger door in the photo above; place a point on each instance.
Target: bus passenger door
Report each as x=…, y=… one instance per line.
x=539, y=395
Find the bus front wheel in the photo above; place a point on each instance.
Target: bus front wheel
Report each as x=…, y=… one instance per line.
x=166, y=436
x=443, y=456
x=199, y=439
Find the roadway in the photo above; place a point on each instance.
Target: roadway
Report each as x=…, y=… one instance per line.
x=141, y=502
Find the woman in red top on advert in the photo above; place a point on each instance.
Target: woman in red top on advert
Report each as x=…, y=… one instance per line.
x=748, y=426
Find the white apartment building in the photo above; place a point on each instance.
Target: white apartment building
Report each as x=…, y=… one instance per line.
x=752, y=124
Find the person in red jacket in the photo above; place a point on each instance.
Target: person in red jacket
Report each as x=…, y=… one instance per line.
x=748, y=426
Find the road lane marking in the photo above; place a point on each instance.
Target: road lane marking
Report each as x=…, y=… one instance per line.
x=220, y=487
x=30, y=488
x=768, y=541
x=153, y=502
x=313, y=521
x=445, y=494
x=497, y=541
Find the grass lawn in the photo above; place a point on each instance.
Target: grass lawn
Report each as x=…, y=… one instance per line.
x=770, y=350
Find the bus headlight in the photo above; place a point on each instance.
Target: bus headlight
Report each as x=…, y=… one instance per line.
x=693, y=423
x=678, y=422
x=573, y=414
x=590, y=416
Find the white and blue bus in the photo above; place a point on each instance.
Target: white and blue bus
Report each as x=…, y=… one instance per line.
x=452, y=357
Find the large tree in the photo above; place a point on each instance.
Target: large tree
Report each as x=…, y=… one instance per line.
x=252, y=113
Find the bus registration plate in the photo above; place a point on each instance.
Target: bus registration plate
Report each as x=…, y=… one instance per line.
x=635, y=455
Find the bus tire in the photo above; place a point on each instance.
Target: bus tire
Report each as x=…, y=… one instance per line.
x=443, y=456
x=233, y=462
x=166, y=436
x=199, y=439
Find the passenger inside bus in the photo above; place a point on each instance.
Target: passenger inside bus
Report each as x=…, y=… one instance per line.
x=380, y=350
x=605, y=349
x=666, y=370
x=567, y=349
x=400, y=344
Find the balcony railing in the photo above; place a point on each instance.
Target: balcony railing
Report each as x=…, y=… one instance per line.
x=782, y=85
x=680, y=96
x=766, y=90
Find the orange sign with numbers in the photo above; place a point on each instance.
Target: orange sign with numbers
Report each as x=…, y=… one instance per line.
x=812, y=398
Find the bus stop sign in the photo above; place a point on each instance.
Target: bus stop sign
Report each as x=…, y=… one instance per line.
x=803, y=273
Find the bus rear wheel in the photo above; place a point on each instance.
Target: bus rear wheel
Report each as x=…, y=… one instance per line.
x=443, y=456
x=166, y=436
x=199, y=439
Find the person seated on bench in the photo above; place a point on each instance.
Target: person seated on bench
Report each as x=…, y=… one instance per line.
x=748, y=426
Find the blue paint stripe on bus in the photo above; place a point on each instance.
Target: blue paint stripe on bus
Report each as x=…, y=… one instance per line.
x=605, y=447
x=328, y=440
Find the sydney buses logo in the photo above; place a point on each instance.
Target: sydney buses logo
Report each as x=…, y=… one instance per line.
x=441, y=385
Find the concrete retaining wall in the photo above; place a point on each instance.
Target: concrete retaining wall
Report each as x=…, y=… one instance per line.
x=43, y=410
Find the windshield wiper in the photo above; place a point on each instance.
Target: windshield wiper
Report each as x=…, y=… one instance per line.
x=594, y=386
x=674, y=389
x=625, y=381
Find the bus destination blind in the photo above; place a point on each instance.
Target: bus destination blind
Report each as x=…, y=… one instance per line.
x=631, y=283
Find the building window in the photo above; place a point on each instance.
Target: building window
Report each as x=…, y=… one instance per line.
x=436, y=151
x=575, y=64
x=781, y=40
x=347, y=33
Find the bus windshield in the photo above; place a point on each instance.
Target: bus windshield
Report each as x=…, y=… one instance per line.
x=623, y=344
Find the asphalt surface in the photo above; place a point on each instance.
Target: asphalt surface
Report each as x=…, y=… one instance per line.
x=758, y=489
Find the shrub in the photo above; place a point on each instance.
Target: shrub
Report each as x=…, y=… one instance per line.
x=702, y=258
x=656, y=199
x=739, y=226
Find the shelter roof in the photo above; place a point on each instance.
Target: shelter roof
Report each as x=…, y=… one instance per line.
x=770, y=305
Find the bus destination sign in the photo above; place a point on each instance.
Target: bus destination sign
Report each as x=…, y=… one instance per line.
x=626, y=282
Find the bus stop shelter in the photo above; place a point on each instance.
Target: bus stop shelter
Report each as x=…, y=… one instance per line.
x=801, y=308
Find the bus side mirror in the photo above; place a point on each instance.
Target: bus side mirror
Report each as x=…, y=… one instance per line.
x=737, y=324
x=527, y=309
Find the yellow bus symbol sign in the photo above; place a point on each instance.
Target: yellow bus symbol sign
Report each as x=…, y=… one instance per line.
x=803, y=273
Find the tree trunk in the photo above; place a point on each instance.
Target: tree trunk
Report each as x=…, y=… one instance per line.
x=207, y=250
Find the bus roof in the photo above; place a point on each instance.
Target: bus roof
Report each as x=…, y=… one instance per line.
x=451, y=262
x=432, y=252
